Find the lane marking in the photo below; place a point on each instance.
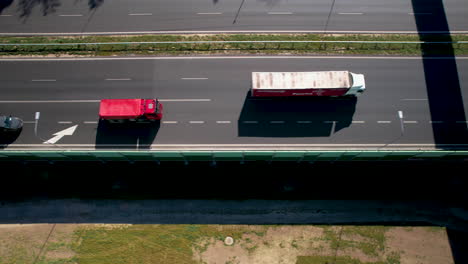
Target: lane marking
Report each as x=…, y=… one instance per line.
x=195, y=78
x=250, y=122
x=280, y=13
x=64, y=122
x=258, y=145
x=43, y=80
x=6, y=15
x=223, y=122
x=197, y=122
x=436, y=122
x=209, y=13
x=351, y=13
x=417, y=14
x=384, y=122
x=410, y=122
x=303, y=122
x=330, y=122
x=422, y=99
x=141, y=14
x=90, y=122
x=29, y=122
x=169, y=122
x=358, y=122
x=276, y=122
x=94, y=101
x=76, y=15
x=123, y=79
x=462, y=122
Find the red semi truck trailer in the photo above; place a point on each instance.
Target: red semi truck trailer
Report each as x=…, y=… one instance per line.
x=318, y=83
x=138, y=110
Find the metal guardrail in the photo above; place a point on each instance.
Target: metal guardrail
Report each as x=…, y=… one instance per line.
x=242, y=156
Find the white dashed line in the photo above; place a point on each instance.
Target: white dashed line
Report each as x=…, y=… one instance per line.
x=169, y=122
x=223, y=122
x=250, y=122
x=64, y=122
x=90, y=122
x=29, y=122
x=141, y=14
x=197, y=122
x=303, y=122
x=436, y=122
x=358, y=122
x=71, y=15
x=351, y=13
x=123, y=79
x=410, y=122
x=276, y=122
x=44, y=80
x=329, y=122
x=384, y=122
x=201, y=78
x=209, y=13
x=414, y=99
x=6, y=15
x=280, y=13
x=417, y=14
x=461, y=122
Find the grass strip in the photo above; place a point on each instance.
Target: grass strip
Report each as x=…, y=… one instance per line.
x=76, y=47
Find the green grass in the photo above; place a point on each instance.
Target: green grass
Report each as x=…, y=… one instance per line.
x=234, y=48
x=148, y=243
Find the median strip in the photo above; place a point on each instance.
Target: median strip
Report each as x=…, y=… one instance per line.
x=165, y=44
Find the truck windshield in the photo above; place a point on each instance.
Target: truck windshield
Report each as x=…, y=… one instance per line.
x=351, y=81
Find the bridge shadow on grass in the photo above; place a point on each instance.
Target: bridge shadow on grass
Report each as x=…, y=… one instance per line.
x=441, y=74
x=129, y=135
x=295, y=117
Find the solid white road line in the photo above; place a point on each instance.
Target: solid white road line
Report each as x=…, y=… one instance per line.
x=44, y=80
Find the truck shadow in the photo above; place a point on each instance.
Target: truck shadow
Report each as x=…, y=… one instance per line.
x=295, y=117
x=126, y=135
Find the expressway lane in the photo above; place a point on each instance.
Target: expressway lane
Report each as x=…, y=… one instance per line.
x=206, y=102
x=69, y=16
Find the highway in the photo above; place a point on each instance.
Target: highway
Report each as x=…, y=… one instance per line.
x=207, y=105
x=125, y=16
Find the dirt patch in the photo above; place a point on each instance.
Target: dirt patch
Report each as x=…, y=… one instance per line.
x=428, y=245
x=276, y=245
x=30, y=243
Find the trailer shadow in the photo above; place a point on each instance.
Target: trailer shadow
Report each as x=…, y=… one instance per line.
x=126, y=135
x=7, y=138
x=295, y=117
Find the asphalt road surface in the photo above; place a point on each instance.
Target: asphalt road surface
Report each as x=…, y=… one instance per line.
x=69, y=16
x=207, y=104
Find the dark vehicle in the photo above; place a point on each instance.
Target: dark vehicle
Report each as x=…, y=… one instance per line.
x=9, y=123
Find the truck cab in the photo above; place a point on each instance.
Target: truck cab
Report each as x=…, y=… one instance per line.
x=153, y=109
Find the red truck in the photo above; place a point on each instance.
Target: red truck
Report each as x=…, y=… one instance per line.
x=318, y=83
x=138, y=110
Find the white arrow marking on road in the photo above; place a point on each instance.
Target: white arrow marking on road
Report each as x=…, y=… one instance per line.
x=66, y=132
